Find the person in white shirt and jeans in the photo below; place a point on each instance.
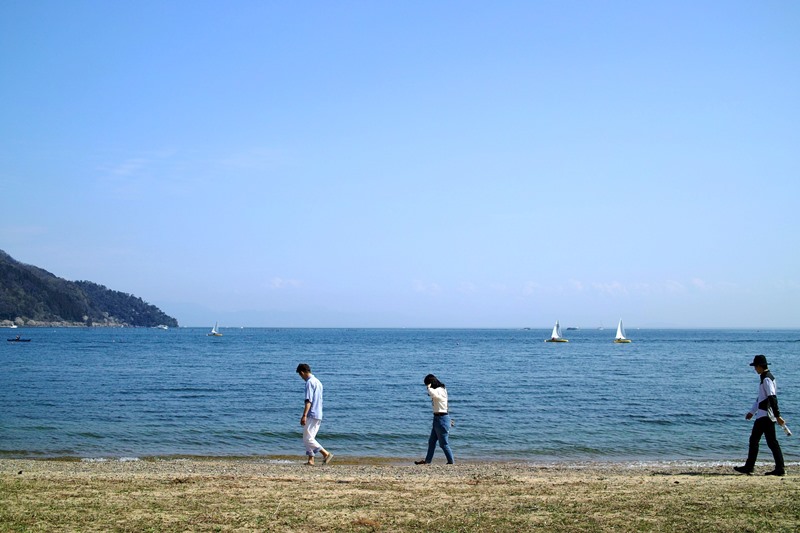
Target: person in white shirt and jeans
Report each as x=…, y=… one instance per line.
x=441, y=420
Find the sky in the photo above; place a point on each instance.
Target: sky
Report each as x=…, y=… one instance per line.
x=410, y=164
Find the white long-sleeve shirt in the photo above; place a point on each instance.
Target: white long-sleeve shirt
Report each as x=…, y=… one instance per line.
x=767, y=402
x=438, y=399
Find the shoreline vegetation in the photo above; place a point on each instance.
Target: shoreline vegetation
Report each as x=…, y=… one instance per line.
x=24, y=323
x=352, y=494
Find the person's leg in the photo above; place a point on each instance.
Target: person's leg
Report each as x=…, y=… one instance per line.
x=310, y=438
x=432, y=440
x=772, y=442
x=317, y=447
x=755, y=439
x=443, y=433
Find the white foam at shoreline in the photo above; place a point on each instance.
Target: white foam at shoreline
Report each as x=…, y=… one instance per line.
x=106, y=459
x=577, y=465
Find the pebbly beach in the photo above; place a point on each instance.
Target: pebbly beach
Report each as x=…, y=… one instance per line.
x=383, y=494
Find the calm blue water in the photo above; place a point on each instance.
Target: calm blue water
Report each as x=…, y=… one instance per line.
x=670, y=395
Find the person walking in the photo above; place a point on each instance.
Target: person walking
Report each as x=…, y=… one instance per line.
x=766, y=411
x=441, y=420
x=312, y=415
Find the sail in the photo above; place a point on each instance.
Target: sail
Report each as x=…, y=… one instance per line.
x=556, y=331
x=620, y=330
x=214, y=329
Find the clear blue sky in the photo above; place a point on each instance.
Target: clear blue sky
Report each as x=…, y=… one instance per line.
x=434, y=164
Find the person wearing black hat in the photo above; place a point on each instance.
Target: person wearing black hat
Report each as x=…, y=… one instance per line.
x=767, y=413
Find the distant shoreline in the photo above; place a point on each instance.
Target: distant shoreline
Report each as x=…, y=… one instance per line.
x=34, y=324
x=532, y=329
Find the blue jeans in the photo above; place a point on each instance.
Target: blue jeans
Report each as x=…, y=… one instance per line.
x=439, y=433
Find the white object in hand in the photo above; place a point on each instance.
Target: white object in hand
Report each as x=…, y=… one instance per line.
x=787, y=430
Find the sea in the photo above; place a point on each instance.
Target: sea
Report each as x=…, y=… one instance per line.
x=672, y=395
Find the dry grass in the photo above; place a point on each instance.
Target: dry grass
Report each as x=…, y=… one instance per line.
x=253, y=496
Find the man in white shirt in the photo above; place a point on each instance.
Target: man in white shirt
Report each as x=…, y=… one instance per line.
x=312, y=415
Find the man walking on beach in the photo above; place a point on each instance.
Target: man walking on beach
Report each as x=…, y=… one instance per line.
x=312, y=415
x=767, y=413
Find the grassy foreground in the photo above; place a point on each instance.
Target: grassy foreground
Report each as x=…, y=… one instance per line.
x=242, y=495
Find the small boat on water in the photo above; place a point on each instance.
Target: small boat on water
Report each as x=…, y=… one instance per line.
x=162, y=326
x=18, y=339
x=214, y=331
x=621, y=334
x=556, y=335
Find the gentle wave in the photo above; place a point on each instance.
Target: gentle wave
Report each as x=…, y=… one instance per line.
x=671, y=394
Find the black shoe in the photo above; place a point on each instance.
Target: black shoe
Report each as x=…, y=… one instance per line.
x=743, y=470
x=775, y=472
x=423, y=462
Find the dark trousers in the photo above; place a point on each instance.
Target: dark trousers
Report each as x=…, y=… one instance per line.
x=764, y=426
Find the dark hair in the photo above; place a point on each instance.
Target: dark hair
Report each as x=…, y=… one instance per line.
x=433, y=381
x=303, y=367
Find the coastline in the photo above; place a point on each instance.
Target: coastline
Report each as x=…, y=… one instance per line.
x=282, y=494
x=396, y=461
x=35, y=324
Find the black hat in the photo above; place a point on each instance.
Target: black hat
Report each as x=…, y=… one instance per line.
x=759, y=360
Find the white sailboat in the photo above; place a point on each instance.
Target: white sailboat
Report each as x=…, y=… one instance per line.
x=621, y=333
x=556, y=335
x=214, y=332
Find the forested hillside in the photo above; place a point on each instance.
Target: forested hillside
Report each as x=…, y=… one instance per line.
x=32, y=296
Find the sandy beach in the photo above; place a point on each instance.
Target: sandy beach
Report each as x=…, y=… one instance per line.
x=385, y=495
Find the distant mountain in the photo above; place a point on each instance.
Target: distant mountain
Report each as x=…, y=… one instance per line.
x=32, y=296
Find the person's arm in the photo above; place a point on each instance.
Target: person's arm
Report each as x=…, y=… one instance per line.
x=772, y=399
x=307, y=405
x=753, y=410
x=434, y=393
